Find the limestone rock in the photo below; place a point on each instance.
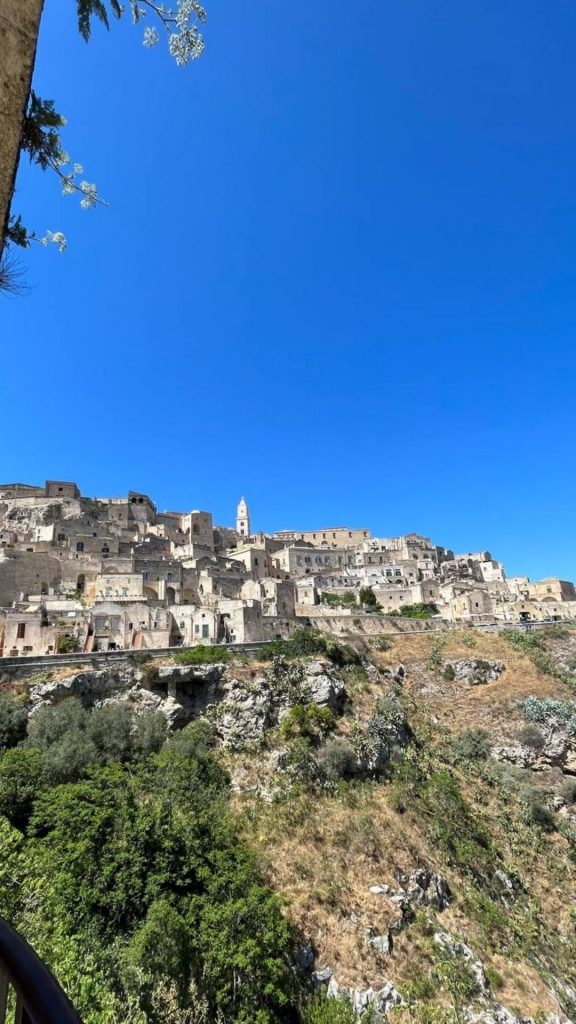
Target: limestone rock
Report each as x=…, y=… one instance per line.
x=379, y=1000
x=459, y=950
x=475, y=671
x=381, y=943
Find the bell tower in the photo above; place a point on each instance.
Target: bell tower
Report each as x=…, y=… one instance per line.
x=242, y=519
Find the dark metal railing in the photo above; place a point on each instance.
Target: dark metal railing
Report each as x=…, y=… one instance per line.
x=37, y=996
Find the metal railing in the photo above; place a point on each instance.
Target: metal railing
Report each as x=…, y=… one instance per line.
x=37, y=997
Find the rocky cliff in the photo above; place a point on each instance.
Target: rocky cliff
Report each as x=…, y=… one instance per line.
x=414, y=803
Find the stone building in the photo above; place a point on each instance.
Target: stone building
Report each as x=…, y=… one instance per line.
x=113, y=573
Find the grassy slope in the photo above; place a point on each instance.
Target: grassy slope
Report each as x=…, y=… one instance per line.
x=323, y=851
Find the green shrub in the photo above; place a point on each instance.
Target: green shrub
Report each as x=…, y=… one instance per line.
x=568, y=791
x=71, y=737
x=381, y=643
x=530, y=736
x=13, y=717
x=322, y=1010
x=368, y=599
x=416, y=611
x=435, y=657
x=533, y=645
x=139, y=657
x=310, y=721
x=469, y=640
x=540, y=815
x=67, y=644
x=202, y=655
x=336, y=760
x=546, y=710
x=449, y=673
x=305, y=643
x=346, y=600
x=20, y=781
x=472, y=745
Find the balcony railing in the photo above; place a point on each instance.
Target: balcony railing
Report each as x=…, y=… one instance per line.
x=37, y=996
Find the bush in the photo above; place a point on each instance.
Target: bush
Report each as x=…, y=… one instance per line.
x=48, y=725
x=110, y=730
x=71, y=737
x=472, y=745
x=381, y=643
x=557, y=713
x=416, y=611
x=20, y=781
x=530, y=736
x=305, y=643
x=540, y=815
x=347, y=600
x=139, y=657
x=202, y=655
x=12, y=721
x=368, y=599
x=449, y=673
x=309, y=721
x=336, y=760
x=533, y=645
x=149, y=733
x=67, y=644
x=568, y=791
x=321, y=1010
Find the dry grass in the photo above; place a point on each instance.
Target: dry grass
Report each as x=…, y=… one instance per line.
x=323, y=852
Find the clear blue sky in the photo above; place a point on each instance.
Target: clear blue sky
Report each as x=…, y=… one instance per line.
x=336, y=275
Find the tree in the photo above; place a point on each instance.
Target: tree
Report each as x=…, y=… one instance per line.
x=31, y=125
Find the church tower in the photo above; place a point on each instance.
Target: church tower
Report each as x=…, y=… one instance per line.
x=242, y=519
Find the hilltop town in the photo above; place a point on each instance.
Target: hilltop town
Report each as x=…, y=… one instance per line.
x=97, y=574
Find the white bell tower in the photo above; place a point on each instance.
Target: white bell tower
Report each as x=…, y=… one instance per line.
x=242, y=519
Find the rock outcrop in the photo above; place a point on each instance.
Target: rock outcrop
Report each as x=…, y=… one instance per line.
x=474, y=671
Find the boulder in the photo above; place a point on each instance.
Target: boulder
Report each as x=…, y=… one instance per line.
x=475, y=671
x=381, y=943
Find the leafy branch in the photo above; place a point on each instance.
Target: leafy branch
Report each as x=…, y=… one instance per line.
x=182, y=23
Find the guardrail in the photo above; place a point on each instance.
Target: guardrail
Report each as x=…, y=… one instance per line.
x=95, y=658
x=38, y=998
x=105, y=657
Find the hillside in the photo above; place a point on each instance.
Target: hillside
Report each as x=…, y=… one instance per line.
x=410, y=800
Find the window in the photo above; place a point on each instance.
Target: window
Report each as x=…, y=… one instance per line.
x=144, y=575
x=196, y=629
x=205, y=631
x=21, y=631
x=80, y=546
x=61, y=536
x=168, y=575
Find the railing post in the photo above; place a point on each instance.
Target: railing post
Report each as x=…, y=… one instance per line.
x=3, y=994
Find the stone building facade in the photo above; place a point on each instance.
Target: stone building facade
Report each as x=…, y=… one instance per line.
x=114, y=573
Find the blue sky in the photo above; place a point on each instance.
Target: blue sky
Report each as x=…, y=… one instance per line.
x=336, y=274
